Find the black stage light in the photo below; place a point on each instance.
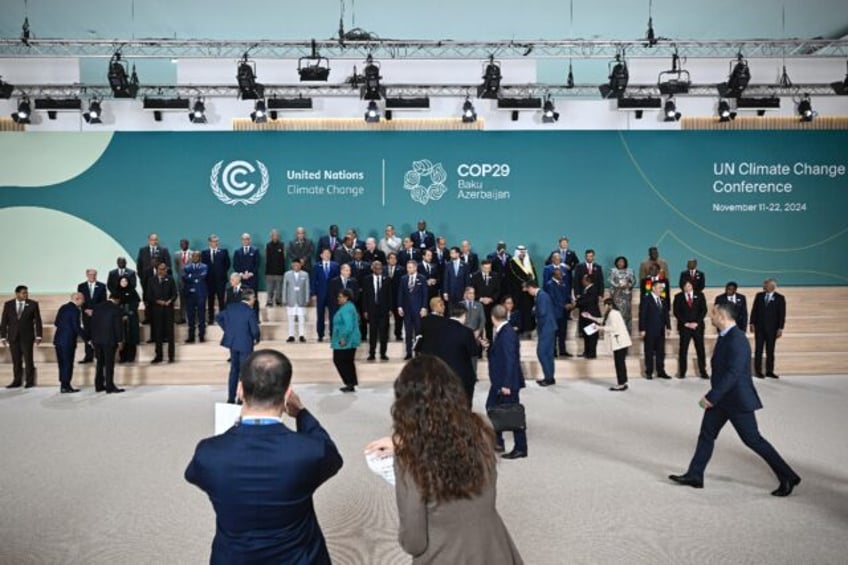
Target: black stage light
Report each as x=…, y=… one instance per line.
x=514, y=116
x=198, y=112
x=724, y=112
x=372, y=89
x=468, y=113
x=737, y=82
x=95, y=113
x=313, y=68
x=6, y=90
x=259, y=115
x=549, y=113
x=670, y=111
x=23, y=113
x=676, y=80
x=805, y=109
x=122, y=83
x=840, y=88
x=618, y=78
x=249, y=89
x=372, y=114
x=491, y=80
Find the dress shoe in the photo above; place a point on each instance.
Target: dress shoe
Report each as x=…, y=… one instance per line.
x=786, y=486
x=156, y=360
x=149, y=341
x=398, y=338
x=664, y=376
x=759, y=375
x=544, y=382
x=619, y=388
x=705, y=376
x=499, y=448
x=649, y=376
x=14, y=384
x=687, y=480
x=384, y=357
x=371, y=358
x=348, y=389
x=99, y=389
x=514, y=454
x=85, y=361
x=408, y=357
x=567, y=354
x=202, y=339
x=190, y=340
x=29, y=385
x=68, y=389
x=170, y=360
x=302, y=339
x=290, y=339
x=772, y=375
x=115, y=390
x=320, y=338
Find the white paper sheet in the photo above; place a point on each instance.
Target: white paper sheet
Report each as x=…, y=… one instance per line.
x=225, y=416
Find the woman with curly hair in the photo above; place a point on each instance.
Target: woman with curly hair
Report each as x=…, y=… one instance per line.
x=445, y=471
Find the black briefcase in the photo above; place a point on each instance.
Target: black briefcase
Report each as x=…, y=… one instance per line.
x=507, y=417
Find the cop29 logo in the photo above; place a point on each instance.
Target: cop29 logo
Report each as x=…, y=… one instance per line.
x=426, y=181
x=234, y=188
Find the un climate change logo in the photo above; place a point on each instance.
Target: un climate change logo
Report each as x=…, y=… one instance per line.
x=235, y=189
x=421, y=172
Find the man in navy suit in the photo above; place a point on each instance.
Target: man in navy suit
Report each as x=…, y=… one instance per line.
x=260, y=475
x=730, y=295
x=456, y=278
x=453, y=342
x=218, y=263
x=147, y=261
x=768, y=316
x=241, y=333
x=423, y=239
x=412, y=303
x=654, y=325
x=93, y=292
x=506, y=376
x=559, y=289
x=546, y=327
x=68, y=328
x=323, y=272
x=732, y=396
x=330, y=241
x=246, y=262
x=194, y=290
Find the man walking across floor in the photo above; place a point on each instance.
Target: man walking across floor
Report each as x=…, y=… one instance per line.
x=21, y=330
x=68, y=329
x=506, y=377
x=732, y=397
x=241, y=333
x=546, y=328
x=768, y=316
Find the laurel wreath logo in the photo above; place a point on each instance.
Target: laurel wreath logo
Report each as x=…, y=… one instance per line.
x=228, y=200
x=422, y=170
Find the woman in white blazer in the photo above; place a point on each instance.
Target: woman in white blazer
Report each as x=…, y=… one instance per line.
x=617, y=339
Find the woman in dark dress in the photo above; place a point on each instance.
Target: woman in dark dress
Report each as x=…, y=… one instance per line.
x=129, y=306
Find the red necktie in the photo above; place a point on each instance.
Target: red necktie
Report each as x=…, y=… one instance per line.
x=689, y=300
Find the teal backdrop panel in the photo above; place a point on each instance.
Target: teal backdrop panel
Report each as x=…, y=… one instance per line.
x=747, y=205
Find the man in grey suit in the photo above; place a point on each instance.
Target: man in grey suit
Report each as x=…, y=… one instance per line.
x=475, y=315
x=295, y=298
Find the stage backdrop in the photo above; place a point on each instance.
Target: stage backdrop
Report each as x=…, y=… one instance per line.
x=747, y=205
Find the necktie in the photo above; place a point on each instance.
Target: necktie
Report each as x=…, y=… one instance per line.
x=91, y=290
x=589, y=268
x=20, y=309
x=391, y=272
x=121, y=273
x=344, y=282
x=468, y=305
x=659, y=303
x=486, y=280
x=326, y=268
x=160, y=280
x=733, y=299
x=245, y=250
x=689, y=300
x=212, y=256
x=411, y=283
x=377, y=289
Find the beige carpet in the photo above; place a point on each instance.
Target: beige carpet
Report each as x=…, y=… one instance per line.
x=92, y=479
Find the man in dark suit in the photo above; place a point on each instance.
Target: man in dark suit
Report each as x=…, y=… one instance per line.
x=506, y=376
x=275, y=268
x=372, y=253
x=359, y=269
x=455, y=278
x=690, y=309
x=559, y=289
x=376, y=304
x=147, y=261
x=409, y=252
x=693, y=275
x=161, y=294
x=194, y=291
x=218, y=263
x=324, y=271
x=355, y=242
x=421, y=238
x=235, y=290
x=455, y=344
x=94, y=293
x=546, y=328
x=768, y=315
x=500, y=260
x=590, y=268
x=469, y=257
x=566, y=256
x=344, y=251
x=246, y=262
x=340, y=283
x=412, y=303
x=181, y=259
x=20, y=329
x=330, y=241
x=730, y=295
x=68, y=329
x=654, y=325
x=241, y=333
x=303, y=249
x=393, y=274
x=732, y=396
x=487, y=288
x=260, y=475
x=431, y=273
x=122, y=271
x=107, y=337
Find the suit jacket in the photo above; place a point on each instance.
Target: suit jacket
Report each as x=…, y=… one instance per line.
x=428, y=241
x=343, y=255
x=296, y=288
x=181, y=259
x=616, y=334
x=568, y=257
x=731, y=386
x=218, y=271
x=475, y=317
x=146, y=263
x=91, y=300
x=471, y=261
x=545, y=314
x=454, y=283
x=194, y=280
x=25, y=329
x=454, y=344
x=360, y=271
x=303, y=250
x=769, y=317
x=275, y=258
x=336, y=286
x=260, y=480
x=247, y=263
x=583, y=269
x=684, y=314
x=653, y=320
x=741, y=309
x=241, y=330
x=68, y=326
x=405, y=256
x=431, y=273
x=482, y=289
x=560, y=294
x=115, y=277
x=233, y=295
x=698, y=281
x=165, y=290
x=325, y=243
x=376, y=304
x=505, y=360
x=320, y=282
x=106, y=328
x=376, y=255
x=500, y=264
x=412, y=301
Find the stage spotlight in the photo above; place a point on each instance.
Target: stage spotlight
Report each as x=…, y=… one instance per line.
x=123, y=84
x=313, y=68
x=95, y=113
x=23, y=113
x=676, y=80
x=259, y=115
x=618, y=77
x=724, y=112
x=198, y=112
x=249, y=89
x=805, y=109
x=372, y=90
x=491, y=80
x=738, y=80
x=670, y=111
x=468, y=113
x=549, y=113
x=6, y=90
x=840, y=88
x=372, y=114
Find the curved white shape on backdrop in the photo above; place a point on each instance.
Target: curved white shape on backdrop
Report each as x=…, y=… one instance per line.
x=38, y=159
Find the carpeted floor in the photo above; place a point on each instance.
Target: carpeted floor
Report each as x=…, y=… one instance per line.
x=94, y=479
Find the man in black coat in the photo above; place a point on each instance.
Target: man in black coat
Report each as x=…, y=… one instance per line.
x=690, y=309
x=654, y=324
x=147, y=261
x=161, y=294
x=218, y=261
x=107, y=338
x=376, y=305
x=393, y=275
x=768, y=315
x=738, y=300
x=115, y=275
x=94, y=293
x=68, y=329
x=487, y=289
x=20, y=329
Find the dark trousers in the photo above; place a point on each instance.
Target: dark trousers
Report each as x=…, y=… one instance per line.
x=519, y=436
x=378, y=330
x=561, y=333
x=619, y=356
x=163, y=329
x=487, y=311
x=21, y=351
x=236, y=360
x=746, y=426
x=767, y=339
x=86, y=325
x=411, y=328
x=363, y=323
x=128, y=353
x=194, y=314
x=322, y=304
x=590, y=342
x=654, y=346
x=345, y=364
x=104, y=373
x=545, y=352
x=697, y=336
x=65, y=360
x=216, y=292
x=524, y=304
x=398, y=324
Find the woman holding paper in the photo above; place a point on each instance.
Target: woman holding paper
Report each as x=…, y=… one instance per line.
x=345, y=340
x=617, y=338
x=445, y=471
